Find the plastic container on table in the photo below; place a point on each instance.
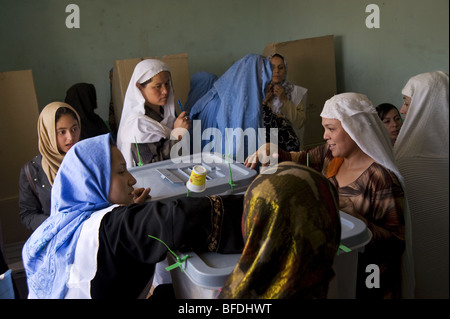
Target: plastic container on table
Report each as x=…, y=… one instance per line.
x=204, y=273
x=167, y=179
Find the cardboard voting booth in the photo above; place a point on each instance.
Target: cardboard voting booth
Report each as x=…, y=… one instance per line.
x=123, y=70
x=311, y=64
x=19, y=112
x=205, y=273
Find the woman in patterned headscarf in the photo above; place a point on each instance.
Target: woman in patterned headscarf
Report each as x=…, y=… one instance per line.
x=284, y=104
x=358, y=160
x=292, y=231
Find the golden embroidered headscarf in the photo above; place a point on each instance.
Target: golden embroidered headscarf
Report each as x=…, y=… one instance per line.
x=48, y=146
x=292, y=230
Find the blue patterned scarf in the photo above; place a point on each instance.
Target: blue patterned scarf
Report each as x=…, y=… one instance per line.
x=81, y=188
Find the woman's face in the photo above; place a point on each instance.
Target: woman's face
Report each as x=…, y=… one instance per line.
x=338, y=140
x=67, y=132
x=156, y=92
x=121, y=188
x=279, y=69
x=393, y=122
x=405, y=106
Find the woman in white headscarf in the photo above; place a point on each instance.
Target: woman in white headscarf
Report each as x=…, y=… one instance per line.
x=359, y=162
x=421, y=151
x=148, y=116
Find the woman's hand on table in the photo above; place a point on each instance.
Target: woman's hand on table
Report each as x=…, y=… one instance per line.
x=140, y=195
x=267, y=154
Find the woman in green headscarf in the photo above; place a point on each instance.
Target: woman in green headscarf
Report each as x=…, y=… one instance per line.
x=291, y=228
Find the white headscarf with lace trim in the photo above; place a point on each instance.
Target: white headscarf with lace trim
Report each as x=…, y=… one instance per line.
x=360, y=120
x=425, y=129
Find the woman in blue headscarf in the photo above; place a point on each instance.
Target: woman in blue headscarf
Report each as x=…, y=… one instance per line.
x=234, y=103
x=201, y=82
x=239, y=107
x=95, y=243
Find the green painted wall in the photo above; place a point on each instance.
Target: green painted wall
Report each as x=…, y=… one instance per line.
x=413, y=38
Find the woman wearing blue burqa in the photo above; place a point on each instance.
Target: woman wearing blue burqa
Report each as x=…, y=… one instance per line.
x=231, y=111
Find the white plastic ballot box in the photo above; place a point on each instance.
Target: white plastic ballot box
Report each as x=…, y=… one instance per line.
x=167, y=179
x=204, y=273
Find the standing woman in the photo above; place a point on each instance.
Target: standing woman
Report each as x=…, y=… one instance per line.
x=358, y=160
x=390, y=116
x=83, y=98
x=285, y=99
x=234, y=102
x=421, y=151
x=148, y=115
x=58, y=130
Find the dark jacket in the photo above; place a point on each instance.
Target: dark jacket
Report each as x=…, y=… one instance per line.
x=34, y=209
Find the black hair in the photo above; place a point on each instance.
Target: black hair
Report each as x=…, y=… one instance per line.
x=143, y=84
x=384, y=108
x=63, y=111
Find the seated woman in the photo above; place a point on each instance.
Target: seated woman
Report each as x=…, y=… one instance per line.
x=95, y=243
x=83, y=98
x=58, y=130
x=358, y=160
x=284, y=104
x=292, y=230
x=421, y=151
x=148, y=115
x=390, y=116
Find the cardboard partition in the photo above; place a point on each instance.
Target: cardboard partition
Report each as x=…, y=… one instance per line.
x=311, y=64
x=123, y=70
x=19, y=112
x=178, y=64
